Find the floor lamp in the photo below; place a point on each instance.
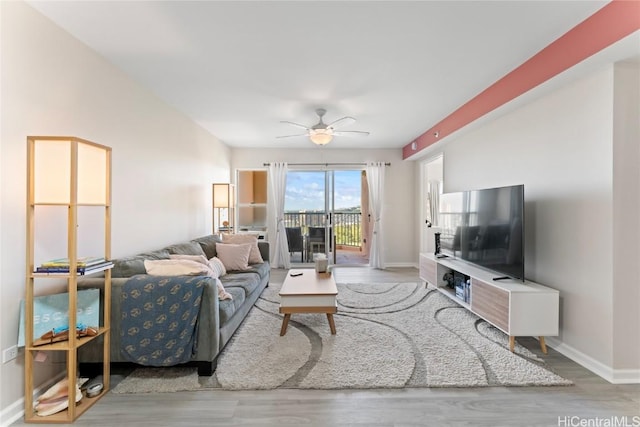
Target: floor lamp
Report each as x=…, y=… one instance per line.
x=223, y=198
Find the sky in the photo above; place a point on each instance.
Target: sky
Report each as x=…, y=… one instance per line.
x=305, y=190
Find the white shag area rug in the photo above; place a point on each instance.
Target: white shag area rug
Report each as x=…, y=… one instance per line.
x=389, y=335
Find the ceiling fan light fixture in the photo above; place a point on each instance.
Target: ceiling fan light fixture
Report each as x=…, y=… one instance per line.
x=322, y=133
x=320, y=136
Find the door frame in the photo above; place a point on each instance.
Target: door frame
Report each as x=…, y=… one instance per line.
x=329, y=205
x=431, y=169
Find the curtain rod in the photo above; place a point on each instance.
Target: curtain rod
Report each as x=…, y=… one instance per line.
x=326, y=164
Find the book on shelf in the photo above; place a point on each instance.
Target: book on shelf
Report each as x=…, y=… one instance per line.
x=80, y=270
x=81, y=262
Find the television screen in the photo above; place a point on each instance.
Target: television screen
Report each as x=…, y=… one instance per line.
x=485, y=227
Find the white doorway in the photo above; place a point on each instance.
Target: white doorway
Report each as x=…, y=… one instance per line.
x=431, y=185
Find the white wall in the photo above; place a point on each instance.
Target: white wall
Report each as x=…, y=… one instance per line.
x=561, y=147
x=399, y=206
x=163, y=163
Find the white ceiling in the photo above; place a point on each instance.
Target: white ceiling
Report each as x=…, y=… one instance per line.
x=239, y=68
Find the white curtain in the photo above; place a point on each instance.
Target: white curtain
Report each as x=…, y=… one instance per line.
x=375, y=182
x=278, y=183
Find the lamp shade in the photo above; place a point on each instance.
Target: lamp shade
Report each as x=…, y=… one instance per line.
x=69, y=170
x=223, y=196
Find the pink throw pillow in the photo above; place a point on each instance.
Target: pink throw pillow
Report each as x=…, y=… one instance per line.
x=254, y=256
x=234, y=257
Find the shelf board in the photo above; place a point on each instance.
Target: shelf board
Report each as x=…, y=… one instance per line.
x=64, y=345
x=450, y=293
x=67, y=204
x=67, y=275
x=62, y=417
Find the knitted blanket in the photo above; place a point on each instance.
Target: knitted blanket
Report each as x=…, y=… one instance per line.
x=159, y=318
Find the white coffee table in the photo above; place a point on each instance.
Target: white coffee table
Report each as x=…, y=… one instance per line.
x=309, y=292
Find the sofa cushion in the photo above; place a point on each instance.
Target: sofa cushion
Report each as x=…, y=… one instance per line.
x=208, y=244
x=264, y=249
x=228, y=307
x=187, y=248
x=249, y=282
x=263, y=269
x=254, y=255
x=130, y=266
x=234, y=257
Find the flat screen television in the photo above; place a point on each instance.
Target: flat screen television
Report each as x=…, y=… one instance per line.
x=485, y=227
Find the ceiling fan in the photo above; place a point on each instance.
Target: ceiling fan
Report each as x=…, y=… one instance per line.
x=322, y=133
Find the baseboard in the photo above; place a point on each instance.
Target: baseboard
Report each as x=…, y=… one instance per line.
x=614, y=376
x=15, y=411
x=626, y=376
x=12, y=413
x=400, y=264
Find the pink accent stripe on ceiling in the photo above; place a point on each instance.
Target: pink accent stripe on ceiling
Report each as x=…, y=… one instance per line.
x=610, y=24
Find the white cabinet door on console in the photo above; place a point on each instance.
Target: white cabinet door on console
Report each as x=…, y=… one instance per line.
x=517, y=308
x=535, y=313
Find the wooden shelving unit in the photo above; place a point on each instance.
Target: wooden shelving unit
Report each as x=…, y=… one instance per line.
x=66, y=173
x=252, y=201
x=223, y=196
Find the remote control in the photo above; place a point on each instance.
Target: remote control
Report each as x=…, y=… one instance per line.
x=295, y=274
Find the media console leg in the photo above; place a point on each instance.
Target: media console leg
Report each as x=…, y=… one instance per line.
x=543, y=345
x=512, y=343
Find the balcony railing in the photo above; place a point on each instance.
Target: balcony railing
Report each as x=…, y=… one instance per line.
x=346, y=225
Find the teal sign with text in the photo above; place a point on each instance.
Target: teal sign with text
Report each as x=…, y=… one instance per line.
x=51, y=311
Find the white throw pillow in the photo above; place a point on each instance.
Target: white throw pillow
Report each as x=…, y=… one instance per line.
x=222, y=293
x=217, y=266
x=254, y=256
x=185, y=267
x=197, y=258
x=175, y=267
x=234, y=257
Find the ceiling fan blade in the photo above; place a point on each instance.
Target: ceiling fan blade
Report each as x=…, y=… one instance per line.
x=341, y=122
x=291, y=136
x=351, y=133
x=298, y=125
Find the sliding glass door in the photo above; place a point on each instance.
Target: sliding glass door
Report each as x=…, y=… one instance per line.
x=323, y=215
x=349, y=217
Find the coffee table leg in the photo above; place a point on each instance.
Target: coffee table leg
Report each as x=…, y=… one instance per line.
x=285, y=322
x=332, y=324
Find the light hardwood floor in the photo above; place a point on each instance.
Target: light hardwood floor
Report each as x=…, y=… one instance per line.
x=589, y=400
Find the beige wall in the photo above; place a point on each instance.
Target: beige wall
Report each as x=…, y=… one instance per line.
x=626, y=217
x=399, y=209
x=163, y=164
x=577, y=207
